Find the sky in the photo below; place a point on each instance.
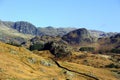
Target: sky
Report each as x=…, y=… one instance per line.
x=101, y=15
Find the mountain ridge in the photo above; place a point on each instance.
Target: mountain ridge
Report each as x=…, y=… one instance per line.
x=49, y=30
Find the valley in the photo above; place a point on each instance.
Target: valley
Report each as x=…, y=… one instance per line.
x=28, y=52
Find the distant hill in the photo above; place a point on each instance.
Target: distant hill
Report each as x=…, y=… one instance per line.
x=51, y=31
x=28, y=28
x=19, y=31
x=110, y=43
x=99, y=34
x=25, y=28
x=8, y=34
x=22, y=27
x=78, y=36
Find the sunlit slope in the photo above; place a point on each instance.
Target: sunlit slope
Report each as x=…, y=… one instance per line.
x=100, y=74
x=17, y=63
x=6, y=31
x=20, y=63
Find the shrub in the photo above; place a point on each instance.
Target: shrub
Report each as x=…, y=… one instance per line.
x=89, y=49
x=48, y=45
x=39, y=46
x=58, y=49
x=61, y=52
x=115, y=50
x=112, y=66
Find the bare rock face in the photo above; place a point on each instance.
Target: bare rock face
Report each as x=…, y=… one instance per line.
x=10, y=35
x=25, y=27
x=21, y=26
x=78, y=36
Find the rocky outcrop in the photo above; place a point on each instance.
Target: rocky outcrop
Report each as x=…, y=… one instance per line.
x=78, y=36
x=25, y=27
x=10, y=35
x=59, y=49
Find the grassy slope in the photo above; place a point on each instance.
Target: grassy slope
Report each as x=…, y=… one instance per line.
x=4, y=30
x=95, y=60
x=101, y=74
x=19, y=63
x=15, y=64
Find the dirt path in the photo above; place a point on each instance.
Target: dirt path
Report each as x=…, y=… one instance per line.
x=87, y=75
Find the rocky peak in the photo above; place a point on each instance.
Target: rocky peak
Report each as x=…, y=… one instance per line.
x=78, y=36
x=25, y=27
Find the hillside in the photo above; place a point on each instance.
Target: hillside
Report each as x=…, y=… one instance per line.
x=78, y=36
x=51, y=31
x=113, y=42
x=18, y=63
x=8, y=35
x=100, y=34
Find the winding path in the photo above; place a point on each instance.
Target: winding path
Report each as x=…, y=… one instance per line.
x=87, y=75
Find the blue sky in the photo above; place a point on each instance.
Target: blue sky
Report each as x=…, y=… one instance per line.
x=91, y=14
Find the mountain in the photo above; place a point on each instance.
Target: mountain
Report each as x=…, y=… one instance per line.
x=78, y=36
x=10, y=35
x=22, y=27
x=28, y=28
x=8, y=23
x=19, y=31
x=25, y=28
x=99, y=34
x=51, y=31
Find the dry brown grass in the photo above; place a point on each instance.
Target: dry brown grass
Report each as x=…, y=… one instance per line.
x=15, y=64
x=102, y=74
x=95, y=60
